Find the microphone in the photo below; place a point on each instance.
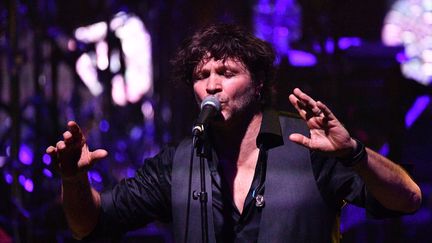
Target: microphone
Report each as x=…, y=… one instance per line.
x=210, y=107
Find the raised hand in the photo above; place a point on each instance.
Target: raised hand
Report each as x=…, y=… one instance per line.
x=327, y=134
x=71, y=155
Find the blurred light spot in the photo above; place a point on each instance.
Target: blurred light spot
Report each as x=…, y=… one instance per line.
x=391, y=35
x=102, y=55
x=427, y=55
x=136, y=133
x=278, y=22
x=71, y=45
x=88, y=74
x=401, y=57
x=95, y=176
x=427, y=17
x=330, y=46
x=121, y=145
x=130, y=172
x=149, y=130
x=408, y=37
x=118, y=20
x=47, y=173
x=118, y=91
x=115, y=64
x=427, y=69
x=416, y=110
x=28, y=185
x=136, y=46
x=104, y=126
x=46, y=159
x=408, y=23
x=25, y=155
x=301, y=58
x=347, y=42
x=427, y=5
x=385, y=149
x=166, y=113
x=119, y=157
x=21, y=179
x=2, y=161
x=8, y=150
x=8, y=178
x=147, y=110
x=92, y=33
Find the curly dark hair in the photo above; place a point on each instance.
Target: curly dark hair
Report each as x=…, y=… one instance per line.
x=222, y=41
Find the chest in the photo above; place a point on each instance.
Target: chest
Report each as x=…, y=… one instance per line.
x=239, y=180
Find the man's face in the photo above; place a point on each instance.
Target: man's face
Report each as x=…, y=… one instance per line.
x=230, y=81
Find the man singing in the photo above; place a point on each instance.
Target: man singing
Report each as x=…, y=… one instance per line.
x=269, y=177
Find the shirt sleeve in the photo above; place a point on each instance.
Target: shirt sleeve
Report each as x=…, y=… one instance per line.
x=138, y=200
x=339, y=184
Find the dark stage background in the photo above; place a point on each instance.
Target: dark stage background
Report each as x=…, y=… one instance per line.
x=52, y=72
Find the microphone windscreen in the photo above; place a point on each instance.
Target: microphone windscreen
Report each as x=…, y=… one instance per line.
x=212, y=101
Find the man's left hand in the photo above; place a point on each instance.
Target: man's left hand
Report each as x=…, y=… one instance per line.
x=327, y=134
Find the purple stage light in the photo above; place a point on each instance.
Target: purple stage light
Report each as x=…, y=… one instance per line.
x=8, y=178
x=28, y=185
x=2, y=161
x=278, y=22
x=135, y=133
x=416, y=110
x=401, y=57
x=119, y=157
x=301, y=58
x=46, y=159
x=385, y=149
x=21, y=179
x=347, y=42
x=104, y=126
x=47, y=173
x=95, y=176
x=25, y=155
x=130, y=172
x=330, y=46
x=121, y=145
x=8, y=149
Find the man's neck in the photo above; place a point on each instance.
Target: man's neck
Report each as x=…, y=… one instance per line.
x=236, y=143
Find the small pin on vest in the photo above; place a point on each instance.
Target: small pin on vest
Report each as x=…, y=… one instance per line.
x=259, y=201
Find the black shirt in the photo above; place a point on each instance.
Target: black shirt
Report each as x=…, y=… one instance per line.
x=147, y=196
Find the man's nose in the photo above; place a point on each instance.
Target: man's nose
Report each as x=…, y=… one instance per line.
x=214, y=84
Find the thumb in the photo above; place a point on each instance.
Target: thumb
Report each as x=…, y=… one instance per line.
x=300, y=139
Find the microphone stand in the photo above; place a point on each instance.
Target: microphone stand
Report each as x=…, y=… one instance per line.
x=198, y=144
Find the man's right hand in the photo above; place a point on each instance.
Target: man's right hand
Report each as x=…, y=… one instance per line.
x=71, y=155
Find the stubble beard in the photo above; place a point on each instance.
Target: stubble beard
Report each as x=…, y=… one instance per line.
x=244, y=109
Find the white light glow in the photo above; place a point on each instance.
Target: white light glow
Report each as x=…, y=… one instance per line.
x=408, y=23
x=147, y=110
x=92, y=33
x=88, y=74
x=118, y=90
x=137, y=79
x=115, y=64
x=136, y=45
x=102, y=55
x=427, y=55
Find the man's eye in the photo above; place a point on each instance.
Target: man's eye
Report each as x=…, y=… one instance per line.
x=199, y=76
x=229, y=74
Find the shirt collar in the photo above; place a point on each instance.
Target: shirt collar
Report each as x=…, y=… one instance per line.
x=270, y=134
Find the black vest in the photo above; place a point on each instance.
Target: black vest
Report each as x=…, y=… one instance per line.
x=294, y=209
